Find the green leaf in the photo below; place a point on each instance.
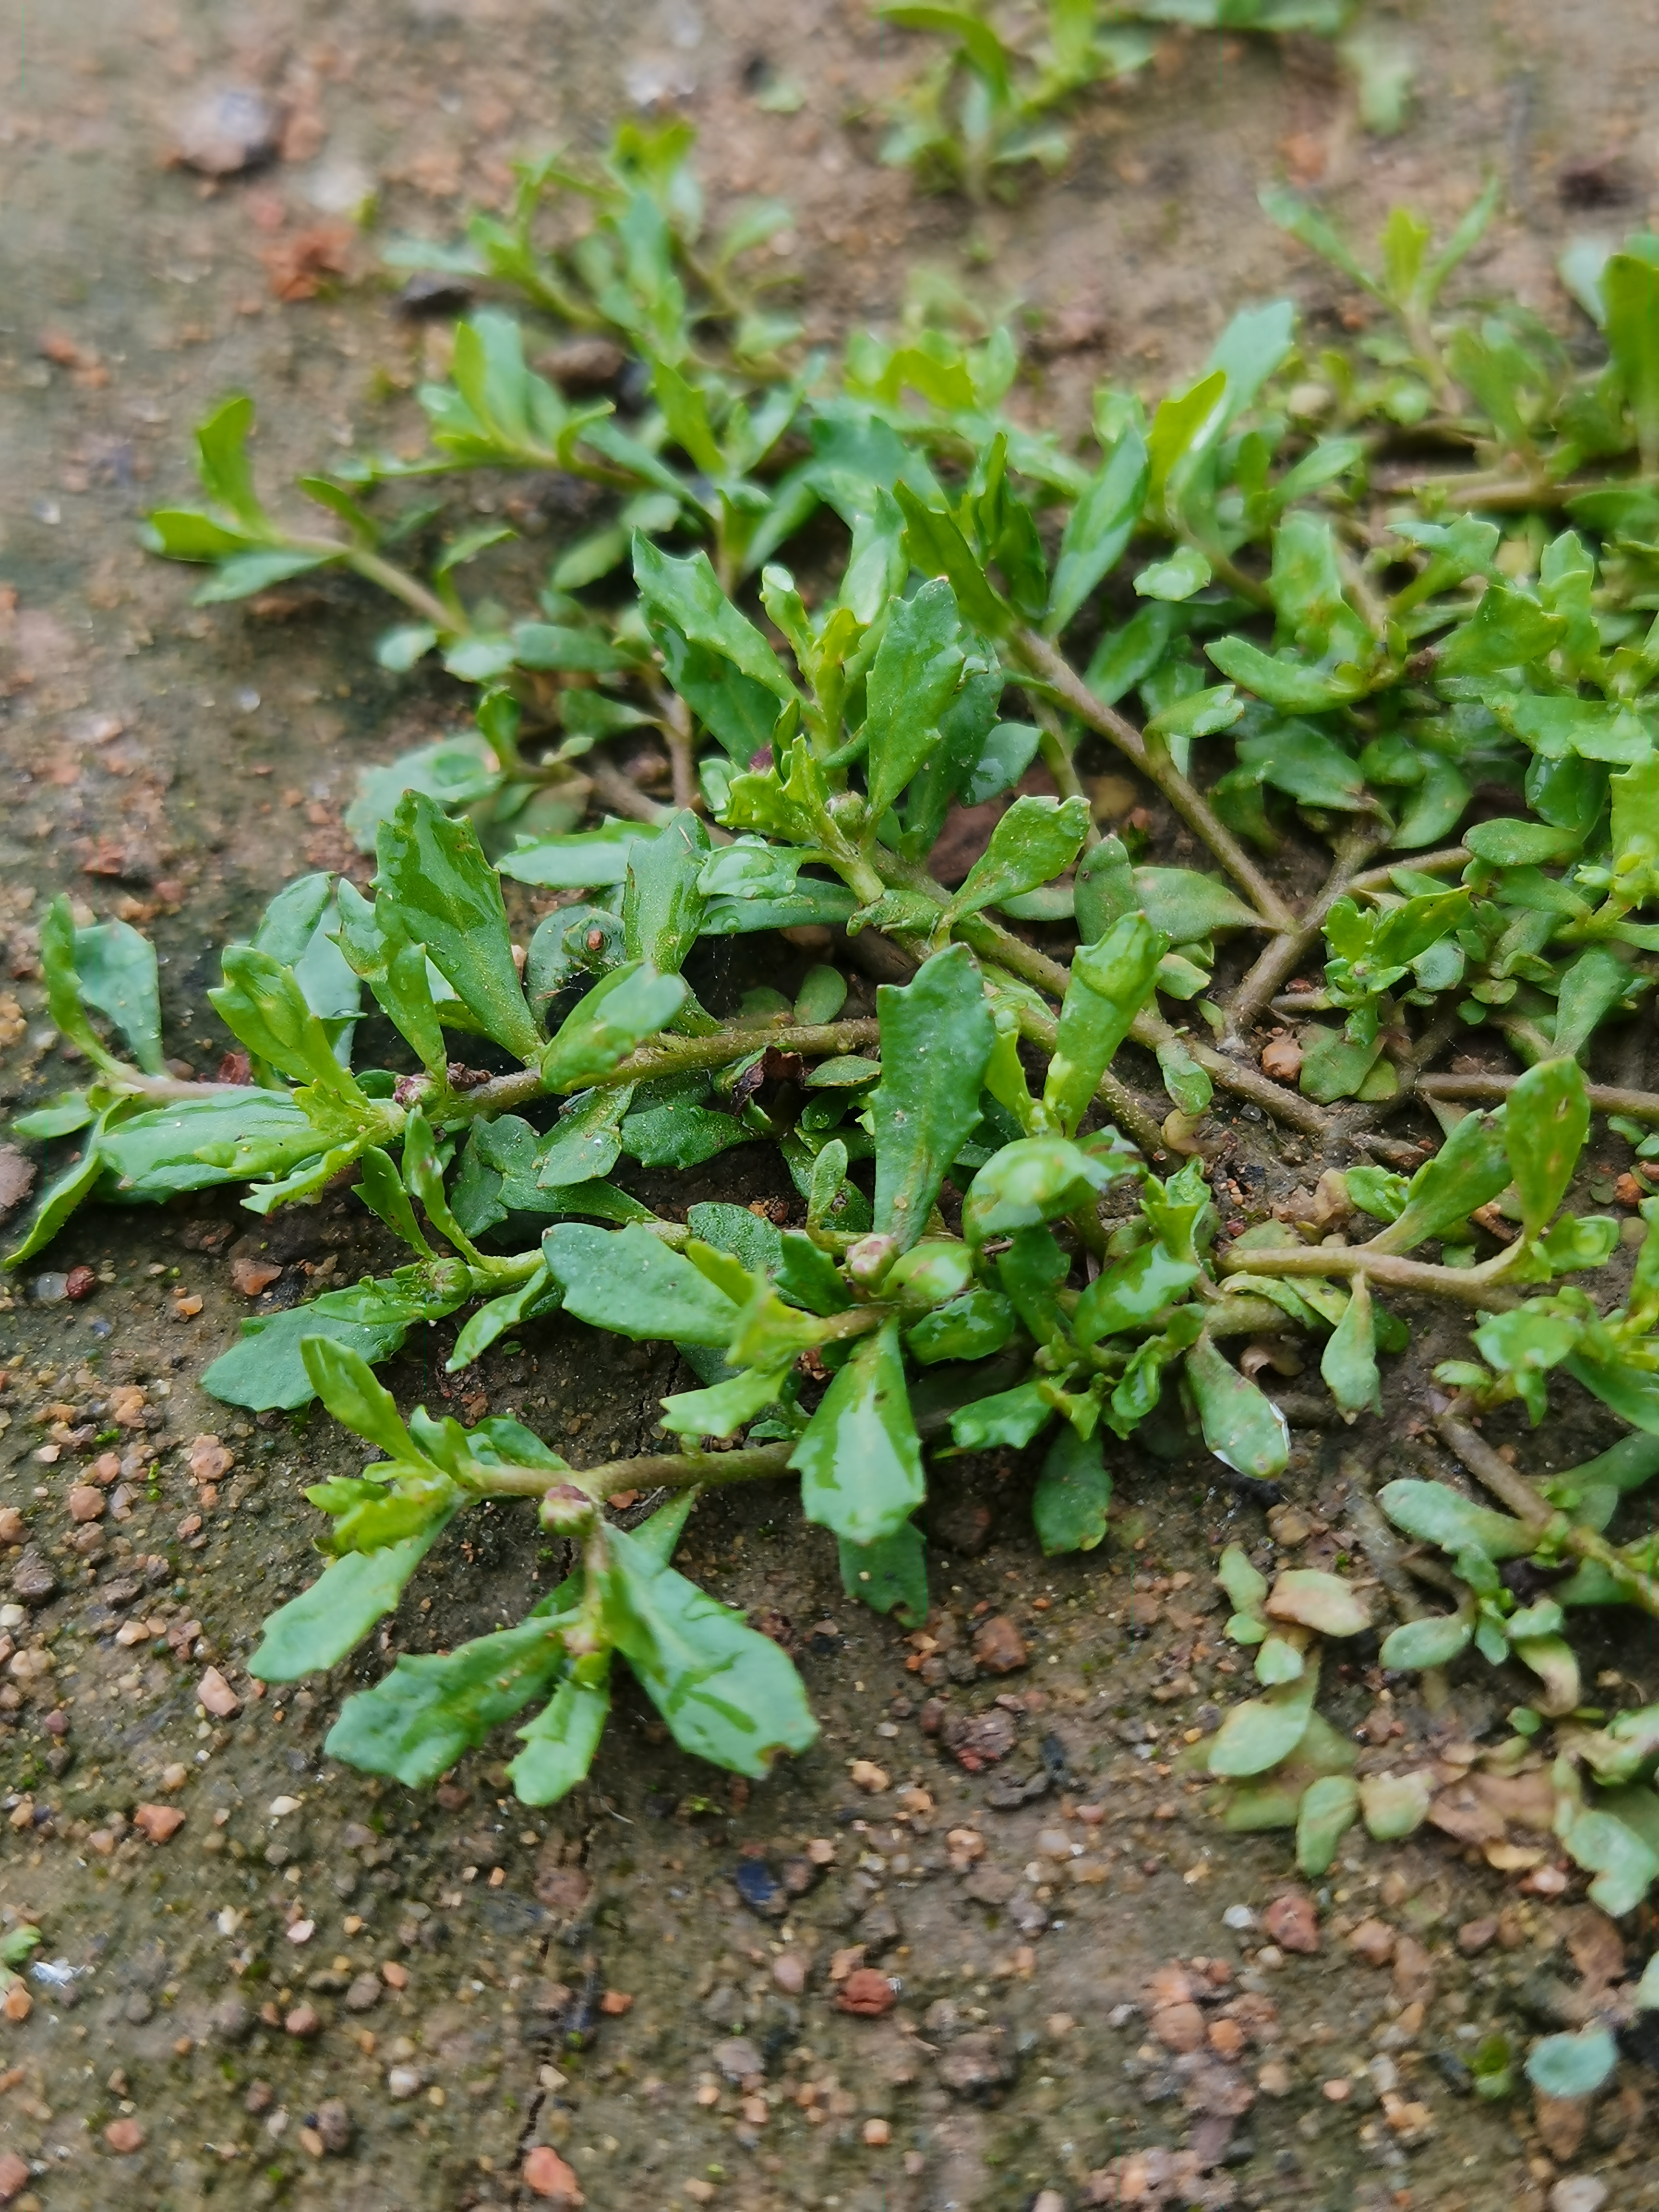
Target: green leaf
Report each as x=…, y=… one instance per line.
x=1395, y=1805
x=116, y=970
x=1546, y=1122
x=1241, y=1426
x=1348, y=1362
x=1470, y=1169
x=1573, y=2065
x=345, y=1383
x=266, y=1368
x=1259, y=1734
x=1035, y=1180
x=687, y=596
x=1073, y=1493
x=1010, y=1418
x=940, y=550
x=1328, y=1809
x=63, y=995
x=450, y=900
x=315, y=1630
x=584, y=861
x=1286, y=680
x=492, y=1320
x=1508, y=629
x=911, y=681
x=625, y=1007
x=57, y=1202
x=681, y=1134
x=859, y=1460
x=223, y=463
x=1110, y=982
x=1623, y=1864
x=1184, y=572
x=728, y=1694
x=662, y=905
x=416, y=1722
x=1437, y=1514
x=1099, y=528
x=561, y=1742
x=1434, y=1641
x=971, y=1326
x=891, y=1576
x=1630, y=290
x=629, y=1281
x=1131, y=1293
x=585, y=1142
x=1189, y=1089
x=937, y=1033
x=1034, y=842
x=1505, y=842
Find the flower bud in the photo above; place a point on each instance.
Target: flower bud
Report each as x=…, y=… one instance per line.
x=868, y=1261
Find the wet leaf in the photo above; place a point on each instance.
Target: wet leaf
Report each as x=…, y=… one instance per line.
x=419, y=1719
x=1241, y=1426
x=859, y=1460
x=1110, y=982
x=1258, y=1734
x=623, y=1010
x=889, y=1576
x=936, y=1038
x=728, y=1694
x=1073, y=1491
x=1348, y=1362
x=629, y=1281
x=1437, y=1514
x=1470, y=1169
x=561, y=1742
x=911, y=681
x=1034, y=842
x=314, y=1631
x=450, y=900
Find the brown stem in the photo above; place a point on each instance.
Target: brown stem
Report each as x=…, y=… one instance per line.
x=1045, y=661
x=1128, y=1111
x=621, y=796
x=1477, y=488
x=1282, y=955
x=1246, y=1081
x=1056, y=754
x=1481, y=1090
x=682, y=748
x=1507, y=1484
x=1383, y=1550
x=1466, y=1285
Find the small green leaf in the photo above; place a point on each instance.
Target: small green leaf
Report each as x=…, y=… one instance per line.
x=623, y=1009
x=662, y=905
x=1035, y=1180
x=859, y=1460
x=416, y=1722
x=345, y=1383
x=728, y=1694
x=1437, y=1514
x=1073, y=1495
x=1314, y=1599
x=1328, y=1809
x=314, y=1631
x=1184, y=572
x=450, y=900
x=1546, y=1122
x=1034, y=842
x=1348, y=1362
x=1110, y=982
x=912, y=680
x=1259, y=1734
x=936, y=1038
x=630, y=1282
x=1434, y=1641
x=1099, y=528
x=1395, y=1805
x=561, y=1742
x=1470, y=1169
x=1241, y=1426
x=889, y=1576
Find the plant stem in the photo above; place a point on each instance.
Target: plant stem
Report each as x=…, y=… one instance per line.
x=1513, y=1489
x=651, y=1471
x=1425, y=863
x=1130, y=1112
x=1605, y=1098
x=1467, y=1284
x=375, y=568
x=621, y=796
x=1043, y=659
x=1056, y=753
x=1282, y=956
x=1245, y=1080
x=682, y=748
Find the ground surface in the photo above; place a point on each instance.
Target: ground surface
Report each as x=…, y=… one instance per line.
x=436, y=1968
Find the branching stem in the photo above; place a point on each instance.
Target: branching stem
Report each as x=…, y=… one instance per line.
x=1045, y=661
x=1468, y=1285
x=1282, y=956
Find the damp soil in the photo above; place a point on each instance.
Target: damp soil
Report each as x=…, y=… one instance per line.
x=324, y=1991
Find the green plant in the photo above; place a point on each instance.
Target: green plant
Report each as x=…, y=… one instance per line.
x=1321, y=640
x=986, y=110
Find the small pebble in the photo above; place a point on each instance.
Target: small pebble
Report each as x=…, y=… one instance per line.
x=865, y=1775
x=1292, y=1921
x=998, y=1647
x=546, y=2174
x=226, y=130
x=14, y=2176
x=789, y=1973
x=1578, y=2192
x=1337, y=2091
x=334, y=2125
x=394, y=1976
x=216, y=1697
x=877, y=2134
x=867, y=1993
x=364, y=1994
x=1476, y=1936
x=1373, y=1941
x=403, y=2082
x=304, y=2021
x=159, y=1822
x=125, y=2137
